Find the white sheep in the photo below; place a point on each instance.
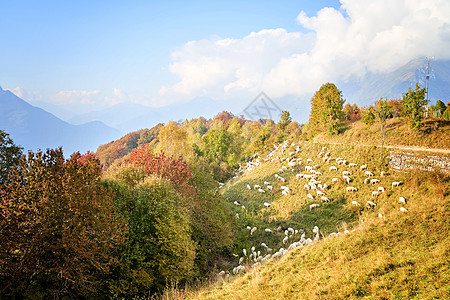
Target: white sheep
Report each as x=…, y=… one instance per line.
x=396, y=183
x=325, y=199
x=253, y=230
x=310, y=196
x=363, y=167
x=367, y=180
x=352, y=165
x=347, y=179
x=374, y=181
x=320, y=193
x=351, y=189
x=346, y=173
x=368, y=173
x=284, y=193
x=266, y=204
x=244, y=251
x=285, y=239
x=370, y=204
x=241, y=260
x=249, y=187
x=334, y=180
x=355, y=203
x=266, y=183
x=375, y=194
x=313, y=206
x=261, y=190
x=309, y=160
x=306, y=187
x=269, y=187
x=402, y=209
x=257, y=186
x=268, y=230
x=291, y=230
x=402, y=200
x=333, y=168
x=236, y=203
x=383, y=173
x=381, y=189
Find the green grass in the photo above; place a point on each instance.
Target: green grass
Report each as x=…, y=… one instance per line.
x=398, y=256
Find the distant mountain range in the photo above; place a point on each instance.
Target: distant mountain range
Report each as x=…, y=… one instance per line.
x=34, y=128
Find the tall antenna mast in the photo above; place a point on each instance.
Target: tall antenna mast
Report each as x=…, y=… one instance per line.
x=428, y=76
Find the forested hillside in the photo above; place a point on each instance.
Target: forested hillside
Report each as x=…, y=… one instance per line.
x=165, y=210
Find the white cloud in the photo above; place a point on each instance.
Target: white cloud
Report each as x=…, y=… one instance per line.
x=77, y=96
x=376, y=36
x=27, y=95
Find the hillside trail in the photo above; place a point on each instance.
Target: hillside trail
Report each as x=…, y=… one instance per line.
x=410, y=148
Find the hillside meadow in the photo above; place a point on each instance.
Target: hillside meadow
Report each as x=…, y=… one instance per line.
x=385, y=254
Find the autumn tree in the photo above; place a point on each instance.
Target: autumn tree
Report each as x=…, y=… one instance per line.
x=414, y=103
x=326, y=109
x=9, y=155
x=173, y=140
x=58, y=228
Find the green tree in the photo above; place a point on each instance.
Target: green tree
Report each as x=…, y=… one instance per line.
x=326, y=109
x=413, y=103
x=446, y=114
x=283, y=124
x=368, y=116
x=382, y=112
x=9, y=155
x=440, y=106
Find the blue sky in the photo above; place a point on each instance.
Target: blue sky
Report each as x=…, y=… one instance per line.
x=98, y=53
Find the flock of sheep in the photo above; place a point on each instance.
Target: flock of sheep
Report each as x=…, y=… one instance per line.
x=316, y=192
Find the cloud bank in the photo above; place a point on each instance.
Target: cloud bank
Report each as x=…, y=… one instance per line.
x=362, y=36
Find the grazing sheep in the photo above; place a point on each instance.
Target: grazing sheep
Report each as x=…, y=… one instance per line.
x=264, y=245
x=292, y=164
x=370, y=204
x=383, y=173
x=402, y=209
x=320, y=193
x=310, y=196
x=253, y=230
x=298, y=176
x=309, y=160
x=269, y=187
x=367, y=181
x=266, y=204
x=238, y=269
x=396, y=183
x=249, y=228
x=281, y=179
x=313, y=206
x=237, y=203
x=249, y=187
x=244, y=251
x=352, y=165
x=347, y=179
x=285, y=188
x=325, y=199
x=346, y=173
x=375, y=194
x=256, y=187
x=261, y=190
x=268, y=230
x=351, y=189
x=284, y=193
x=380, y=215
x=291, y=230
x=381, y=189
x=334, y=180
x=402, y=200
x=306, y=187
x=368, y=173
x=266, y=183
x=241, y=260
x=374, y=181
x=363, y=167
x=333, y=168
x=355, y=203
x=285, y=239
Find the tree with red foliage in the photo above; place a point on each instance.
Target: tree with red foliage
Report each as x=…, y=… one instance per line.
x=58, y=228
x=168, y=167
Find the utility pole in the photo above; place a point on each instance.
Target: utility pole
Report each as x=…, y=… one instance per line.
x=428, y=76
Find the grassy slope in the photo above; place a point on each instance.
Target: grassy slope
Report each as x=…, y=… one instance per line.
x=401, y=255
x=435, y=134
